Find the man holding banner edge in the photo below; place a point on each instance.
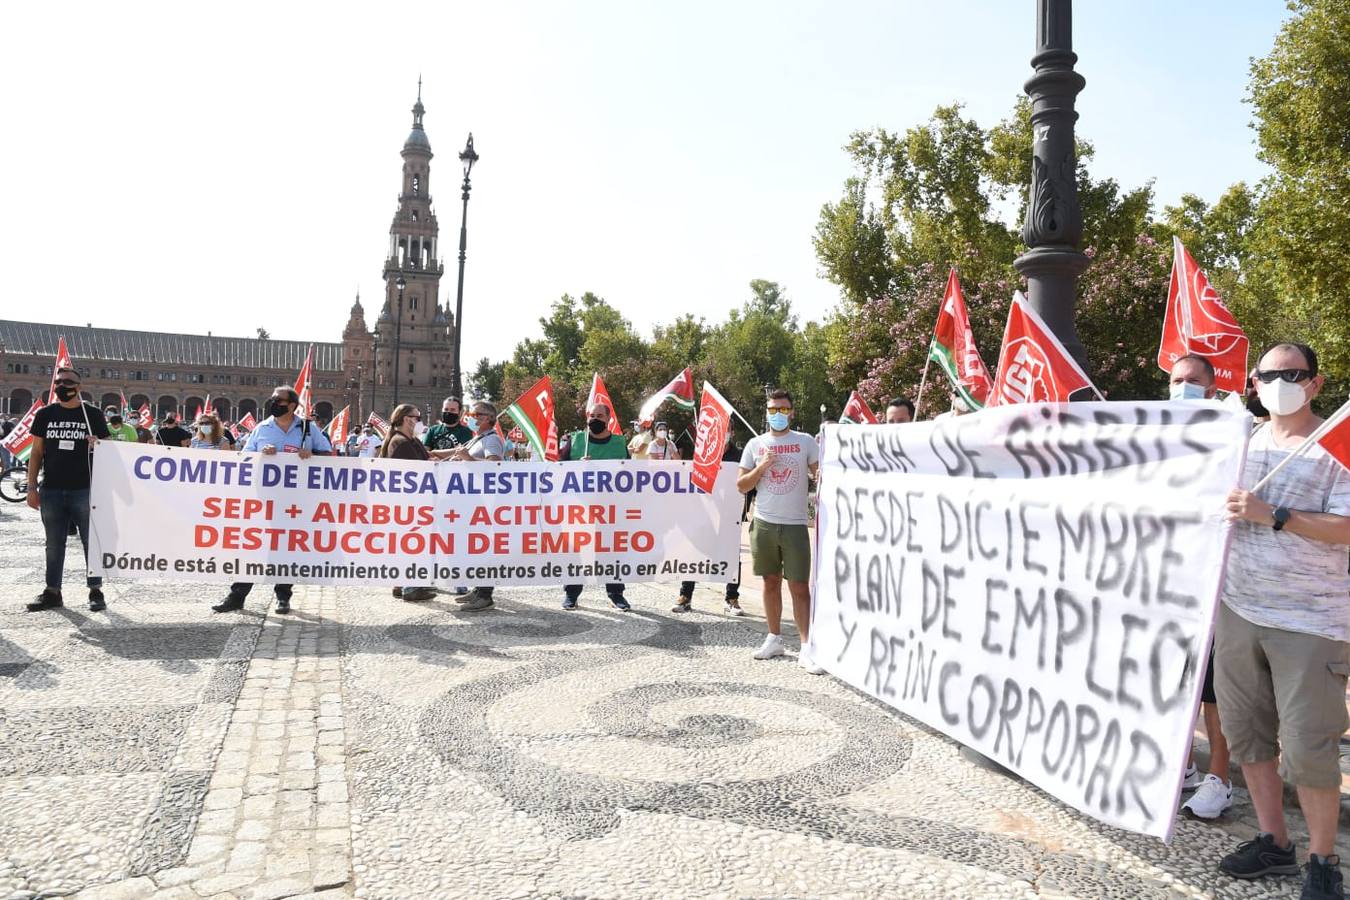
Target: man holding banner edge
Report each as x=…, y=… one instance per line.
x=1283, y=631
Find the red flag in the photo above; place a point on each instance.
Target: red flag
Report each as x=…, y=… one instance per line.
x=857, y=412
x=600, y=394
x=953, y=348
x=304, y=386
x=680, y=391
x=1197, y=322
x=1033, y=366
x=710, y=440
x=533, y=413
x=19, y=441
x=62, y=362
x=340, y=427
x=380, y=425
x=248, y=423
x=147, y=416
x=1336, y=439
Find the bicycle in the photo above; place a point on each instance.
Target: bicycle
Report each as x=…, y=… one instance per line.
x=14, y=483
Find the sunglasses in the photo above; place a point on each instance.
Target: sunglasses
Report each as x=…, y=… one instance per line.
x=1293, y=376
x=66, y=382
x=782, y=409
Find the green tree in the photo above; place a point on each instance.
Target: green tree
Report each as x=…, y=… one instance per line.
x=487, y=380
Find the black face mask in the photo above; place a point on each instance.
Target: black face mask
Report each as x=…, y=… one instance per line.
x=65, y=393
x=278, y=408
x=450, y=418
x=1256, y=408
x=597, y=426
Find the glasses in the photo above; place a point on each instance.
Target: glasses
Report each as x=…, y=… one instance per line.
x=781, y=409
x=1293, y=376
x=66, y=382
x=276, y=399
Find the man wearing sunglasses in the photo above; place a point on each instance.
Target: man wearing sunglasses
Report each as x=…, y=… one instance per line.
x=1282, y=640
x=776, y=465
x=281, y=432
x=62, y=452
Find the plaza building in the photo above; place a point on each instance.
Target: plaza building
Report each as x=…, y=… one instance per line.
x=408, y=355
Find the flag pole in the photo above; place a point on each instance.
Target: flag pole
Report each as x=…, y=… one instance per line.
x=923, y=379
x=1331, y=422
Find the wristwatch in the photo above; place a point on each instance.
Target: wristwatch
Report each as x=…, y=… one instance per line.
x=1280, y=515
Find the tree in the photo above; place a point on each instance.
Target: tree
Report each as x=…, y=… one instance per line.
x=487, y=380
x=1300, y=93
x=263, y=335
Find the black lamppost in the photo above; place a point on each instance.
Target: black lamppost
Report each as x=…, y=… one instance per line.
x=374, y=368
x=468, y=157
x=398, y=334
x=1053, y=228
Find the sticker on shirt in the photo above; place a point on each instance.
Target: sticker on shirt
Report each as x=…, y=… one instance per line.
x=65, y=445
x=290, y=448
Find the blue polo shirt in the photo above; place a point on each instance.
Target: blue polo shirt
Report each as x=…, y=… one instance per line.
x=287, y=441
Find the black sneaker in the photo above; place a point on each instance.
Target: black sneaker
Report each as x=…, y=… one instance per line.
x=620, y=603
x=1322, y=878
x=283, y=605
x=96, y=603
x=569, y=602
x=48, y=599
x=1258, y=857
x=229, y=604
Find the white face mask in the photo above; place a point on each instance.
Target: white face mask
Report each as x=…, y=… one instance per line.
x=1281, y=398
x=1185, y=390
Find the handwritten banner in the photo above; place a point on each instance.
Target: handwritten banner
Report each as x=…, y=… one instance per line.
x=1038, y=582
x=213, y=516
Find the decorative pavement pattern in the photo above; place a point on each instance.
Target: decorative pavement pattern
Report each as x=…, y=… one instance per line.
x=373, y=748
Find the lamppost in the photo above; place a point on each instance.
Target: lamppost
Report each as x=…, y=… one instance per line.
x=468, y=157
x=398, y=334
x=374, y=368
x=1053, y=228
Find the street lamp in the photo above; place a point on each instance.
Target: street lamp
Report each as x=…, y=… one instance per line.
x=398, y=334
x=468, y=157
x=1053, y=228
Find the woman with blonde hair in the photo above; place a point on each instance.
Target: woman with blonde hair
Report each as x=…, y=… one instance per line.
x=208, y=434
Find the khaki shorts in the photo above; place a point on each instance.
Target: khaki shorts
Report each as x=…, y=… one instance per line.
x=781, y=550
x=1282, y=693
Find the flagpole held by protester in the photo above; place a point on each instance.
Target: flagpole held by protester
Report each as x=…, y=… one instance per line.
x=1335, y=420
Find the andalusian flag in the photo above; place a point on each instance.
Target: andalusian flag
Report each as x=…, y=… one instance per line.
x=680, y=391
x=20, y=439
x=533, y=414
x=953, y=348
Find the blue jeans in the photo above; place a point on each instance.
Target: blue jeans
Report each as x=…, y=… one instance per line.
x=59, y=509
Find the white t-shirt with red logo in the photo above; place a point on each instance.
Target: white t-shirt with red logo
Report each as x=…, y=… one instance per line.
x=780, y=496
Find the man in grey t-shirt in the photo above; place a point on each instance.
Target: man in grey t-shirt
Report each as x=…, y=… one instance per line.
x=485, y=446
x=777, y=465
x=1282, y=642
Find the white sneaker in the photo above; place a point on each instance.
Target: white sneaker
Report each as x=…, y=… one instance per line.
x=772, y=646
x=1193, y=778
x=808, y=664
x=1210, y=800
x=733, y=609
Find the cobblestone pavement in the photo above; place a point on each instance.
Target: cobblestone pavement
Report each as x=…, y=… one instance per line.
x=365, y=746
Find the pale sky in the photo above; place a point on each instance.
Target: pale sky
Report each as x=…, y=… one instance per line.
x=192, y=167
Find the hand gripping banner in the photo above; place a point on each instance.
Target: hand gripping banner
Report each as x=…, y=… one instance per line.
x=1037, y=581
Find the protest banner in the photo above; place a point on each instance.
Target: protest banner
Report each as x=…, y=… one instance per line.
x=1038, y=582
x=207, y=516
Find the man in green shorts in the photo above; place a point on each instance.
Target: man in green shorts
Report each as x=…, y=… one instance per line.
x=777, y=465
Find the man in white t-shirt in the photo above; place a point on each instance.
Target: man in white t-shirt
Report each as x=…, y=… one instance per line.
x=777, y=465
x=1282, y=642
x=369, y=444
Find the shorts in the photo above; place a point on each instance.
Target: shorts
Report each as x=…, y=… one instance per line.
x=781, y=550
x=1282, y=694
x=1207, y=692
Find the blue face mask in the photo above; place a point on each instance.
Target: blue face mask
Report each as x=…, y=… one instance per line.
x=1187, y=391
x=778, y=421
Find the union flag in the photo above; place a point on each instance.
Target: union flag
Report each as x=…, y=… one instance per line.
x=1033, y=366
x=1197, y=322
x=857, y=412
x=953, y=348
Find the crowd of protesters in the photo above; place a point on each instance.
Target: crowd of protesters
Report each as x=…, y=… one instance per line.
x=1274, y=685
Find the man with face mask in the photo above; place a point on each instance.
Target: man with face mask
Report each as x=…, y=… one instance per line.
x=63, y=435
x=1282, y=640
x=117, y=429
x=777, y=465
x=596, y=442
x=281, y=432
x=450, y=432
x=171, y=435
x=1192, y=378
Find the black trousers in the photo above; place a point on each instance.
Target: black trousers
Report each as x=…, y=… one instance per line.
x=614, y=589
x=240, y=589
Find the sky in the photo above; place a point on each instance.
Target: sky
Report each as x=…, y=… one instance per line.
x=191, y=167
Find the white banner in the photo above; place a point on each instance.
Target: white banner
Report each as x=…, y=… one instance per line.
x=216, y=516
x=1037, y=581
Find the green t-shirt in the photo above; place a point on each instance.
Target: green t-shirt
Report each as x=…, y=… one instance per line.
x=612, y=447
x=123, y=432
x=446, y=437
